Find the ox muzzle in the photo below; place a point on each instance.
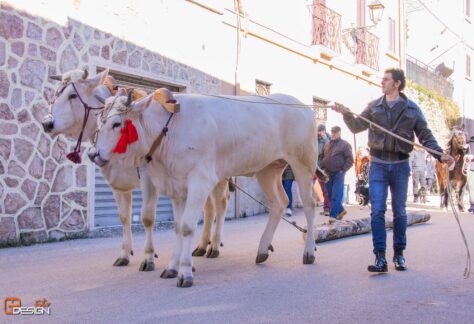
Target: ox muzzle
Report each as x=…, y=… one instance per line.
x=95, y=157
x=48, y=123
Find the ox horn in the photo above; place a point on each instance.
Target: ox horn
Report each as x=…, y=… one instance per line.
x=130, y=98
x=56, y=77
x=86, y=73
x=102, y=93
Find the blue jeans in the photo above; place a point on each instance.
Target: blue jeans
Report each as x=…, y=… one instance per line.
x=381, y=177
x=335, y=188
x=287, y=186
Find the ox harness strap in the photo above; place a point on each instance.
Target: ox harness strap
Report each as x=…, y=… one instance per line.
x=157, y=142
x=75, y=156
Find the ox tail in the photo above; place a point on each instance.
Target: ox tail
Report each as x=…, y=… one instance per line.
x=321, y=175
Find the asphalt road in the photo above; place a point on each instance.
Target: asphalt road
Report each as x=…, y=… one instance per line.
x=77, y=277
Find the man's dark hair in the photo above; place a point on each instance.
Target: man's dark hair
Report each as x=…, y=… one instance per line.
x=398, y=75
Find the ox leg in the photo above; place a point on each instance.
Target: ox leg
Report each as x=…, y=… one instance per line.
x=303, y=177
x=269, y=179
x=221, y=197
x=198, y=191
x=124, y=206
x=209, y=212
x=150, y=198
x=171, y=270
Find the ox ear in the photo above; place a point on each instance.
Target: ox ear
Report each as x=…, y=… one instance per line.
x=56, y=77
x=101, y=93
x=121, y=92
x=139, y=106
x=99, y=78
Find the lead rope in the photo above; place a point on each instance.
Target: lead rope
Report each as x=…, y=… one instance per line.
x=302, y=230
x=467, y=270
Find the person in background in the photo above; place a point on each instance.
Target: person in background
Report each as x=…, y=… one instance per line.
x=389, y=166
x=418, y=170
x=336, y=159
x=287, y=179
x=470, y=178
x=430, y=173
x=323, y=138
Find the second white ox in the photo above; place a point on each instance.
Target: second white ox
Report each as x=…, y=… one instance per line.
x=213, y=138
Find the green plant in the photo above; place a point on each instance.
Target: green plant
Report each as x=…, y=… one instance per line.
x=434, y=100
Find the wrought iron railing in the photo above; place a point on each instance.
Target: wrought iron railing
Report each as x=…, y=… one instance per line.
x=367, y=48
x=326, y=27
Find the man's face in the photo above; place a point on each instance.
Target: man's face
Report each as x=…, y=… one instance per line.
x=389, y=86
x=335, y=134
x=322, y=134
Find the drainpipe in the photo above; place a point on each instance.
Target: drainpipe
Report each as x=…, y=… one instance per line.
x=237, y=93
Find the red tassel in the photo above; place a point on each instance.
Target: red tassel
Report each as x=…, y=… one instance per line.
x=121, y=146
x=129, y=135
x=75, y=157
x=132, y=131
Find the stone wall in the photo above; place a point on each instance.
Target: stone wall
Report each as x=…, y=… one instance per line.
x=433, y=113
x=42, y=195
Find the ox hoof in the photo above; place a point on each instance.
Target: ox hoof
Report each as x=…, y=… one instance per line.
x=121, y=262
x=308, y=258
x=199, y=252
x=261, y=258
x=212, y=254
x=147, y=266
x=167, y=274
x=184, y=282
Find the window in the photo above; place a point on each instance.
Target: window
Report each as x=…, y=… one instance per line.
x=468, y=66
x=391, y=36
x=262, y=88
x=320, y=114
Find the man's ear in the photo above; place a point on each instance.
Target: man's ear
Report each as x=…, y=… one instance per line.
x=99, y=78
x=139, y=106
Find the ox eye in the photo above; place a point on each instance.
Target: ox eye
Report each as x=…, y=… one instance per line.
x=72, y=96
x=115, y=125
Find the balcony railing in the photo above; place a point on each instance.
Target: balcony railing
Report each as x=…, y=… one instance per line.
x=367, y=48
x=425, y=76
x=326, y=27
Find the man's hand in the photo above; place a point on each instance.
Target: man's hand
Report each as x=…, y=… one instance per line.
x=448, y=159
x=340, y=108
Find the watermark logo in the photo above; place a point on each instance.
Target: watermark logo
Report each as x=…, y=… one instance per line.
x=13, y=306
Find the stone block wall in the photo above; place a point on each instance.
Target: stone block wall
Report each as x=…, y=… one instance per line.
x=43, y=196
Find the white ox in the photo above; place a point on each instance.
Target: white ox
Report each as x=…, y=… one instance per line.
x=213, y=138
x=66, y=117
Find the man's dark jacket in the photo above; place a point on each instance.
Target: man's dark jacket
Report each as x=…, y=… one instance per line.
x=404, y=119
x=336, y=156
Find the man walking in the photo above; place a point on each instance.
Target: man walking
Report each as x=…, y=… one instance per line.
x=418, y=171
x=389, y=167
x=336, y=159
x=430, y=173
x=323, y=138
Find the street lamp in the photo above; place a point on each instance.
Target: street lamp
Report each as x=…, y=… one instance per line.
x=376, y=11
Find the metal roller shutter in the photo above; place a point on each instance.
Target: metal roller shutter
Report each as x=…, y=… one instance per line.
x=105, y=209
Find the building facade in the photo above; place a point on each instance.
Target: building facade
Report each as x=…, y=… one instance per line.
x=446, y=48
x=317, y=51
